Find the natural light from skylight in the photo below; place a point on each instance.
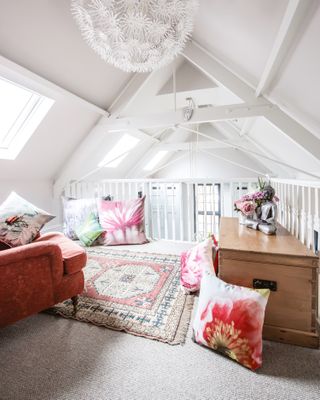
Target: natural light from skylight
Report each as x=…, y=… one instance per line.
x=119, y=152
x=155, y=160
x=21, y=111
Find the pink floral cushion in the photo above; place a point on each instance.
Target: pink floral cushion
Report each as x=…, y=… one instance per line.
x=229, y=319
x=123, y=221
x=192, y=265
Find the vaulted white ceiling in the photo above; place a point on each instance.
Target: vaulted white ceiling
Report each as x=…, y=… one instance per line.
x=42, y=36
x=240, y=32
x=248, y=38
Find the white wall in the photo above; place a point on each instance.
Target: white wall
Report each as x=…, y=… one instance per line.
x=240, y=32
x=280, y=147
x=207, y=167
x=41, y=35
x=296, y=86
x=36, y=192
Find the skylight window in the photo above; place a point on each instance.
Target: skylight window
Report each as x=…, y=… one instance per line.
x=21, y=111
x=119, y=152
x=155, y=160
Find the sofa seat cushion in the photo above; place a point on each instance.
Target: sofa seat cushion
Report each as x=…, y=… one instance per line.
x=74, y=256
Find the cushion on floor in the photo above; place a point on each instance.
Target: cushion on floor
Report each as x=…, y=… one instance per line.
x=193, y=262
x=229, y=319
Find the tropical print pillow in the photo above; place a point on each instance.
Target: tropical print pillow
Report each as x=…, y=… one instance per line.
x=75, y=213
x=123, y=221
x=193, y=262
x=90, y=230
x=20, y=221
x=229, y=319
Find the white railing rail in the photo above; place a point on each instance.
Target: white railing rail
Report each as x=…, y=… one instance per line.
x=186, y=210
x=190, y=209
x=299, y=209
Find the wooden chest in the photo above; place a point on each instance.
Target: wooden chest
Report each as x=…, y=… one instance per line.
x=250, y=258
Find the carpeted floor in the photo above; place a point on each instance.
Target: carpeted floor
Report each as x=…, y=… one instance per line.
x=49, y=358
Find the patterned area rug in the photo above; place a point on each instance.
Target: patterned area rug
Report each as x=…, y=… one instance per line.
x=135, y=292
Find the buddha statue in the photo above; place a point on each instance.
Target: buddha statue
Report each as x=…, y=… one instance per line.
x=266, y=215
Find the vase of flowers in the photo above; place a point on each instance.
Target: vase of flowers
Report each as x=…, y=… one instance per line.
x=252, y=205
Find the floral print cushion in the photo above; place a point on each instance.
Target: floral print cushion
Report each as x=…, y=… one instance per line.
x=90, y=230
x=193, y=262
x=123, y=221
x=229, y=319
x=20, y=221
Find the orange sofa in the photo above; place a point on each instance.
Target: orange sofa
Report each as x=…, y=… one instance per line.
x=38, y=275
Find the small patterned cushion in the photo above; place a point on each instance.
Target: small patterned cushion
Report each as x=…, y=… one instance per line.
x=90, y=230
x=20, y=221
x=75, y=213
x=229, y=319
x=123, y=221
x=192, y=264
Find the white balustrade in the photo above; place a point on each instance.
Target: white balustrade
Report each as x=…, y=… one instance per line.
x=299, y=209
x=189, y=209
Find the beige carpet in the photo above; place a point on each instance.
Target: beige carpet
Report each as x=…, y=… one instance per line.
x=50, y=358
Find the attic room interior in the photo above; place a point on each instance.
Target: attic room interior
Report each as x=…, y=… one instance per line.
x=159, y=199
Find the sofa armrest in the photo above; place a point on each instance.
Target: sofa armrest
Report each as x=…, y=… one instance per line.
x=74, y=257
x=18, y=255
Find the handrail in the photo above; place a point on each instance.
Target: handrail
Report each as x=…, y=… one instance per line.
x=185, y=209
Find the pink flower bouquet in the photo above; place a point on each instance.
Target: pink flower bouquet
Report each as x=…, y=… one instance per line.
x=250, y=203
x=246, y=207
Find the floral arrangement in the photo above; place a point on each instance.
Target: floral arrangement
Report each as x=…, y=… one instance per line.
x=250, y=204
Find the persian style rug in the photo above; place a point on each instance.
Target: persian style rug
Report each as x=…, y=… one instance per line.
x=135, y=292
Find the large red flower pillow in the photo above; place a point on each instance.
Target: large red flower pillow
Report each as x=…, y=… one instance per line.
x=123, y=221
x=229, y=319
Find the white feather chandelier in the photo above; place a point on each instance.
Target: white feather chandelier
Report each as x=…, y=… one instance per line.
x=135, y=35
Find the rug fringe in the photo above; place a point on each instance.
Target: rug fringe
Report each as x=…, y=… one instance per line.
x=183, y=327
x=180, y=336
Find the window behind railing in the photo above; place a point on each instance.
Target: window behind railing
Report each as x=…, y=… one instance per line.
x=207, y=201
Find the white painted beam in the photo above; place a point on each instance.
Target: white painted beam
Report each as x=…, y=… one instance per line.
x=230, y=161
x=74, y=169
x=249, y=151
x=294, y=15
x=185, y=146
x=128, y=95
x=287, y=125
x=245, y=130
x=23, y=76
x=294, y=131
x=200, y=115
x=139, y=133
x=217, y=72
x=150, y=173
x=135, y=171
x=231, y=128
